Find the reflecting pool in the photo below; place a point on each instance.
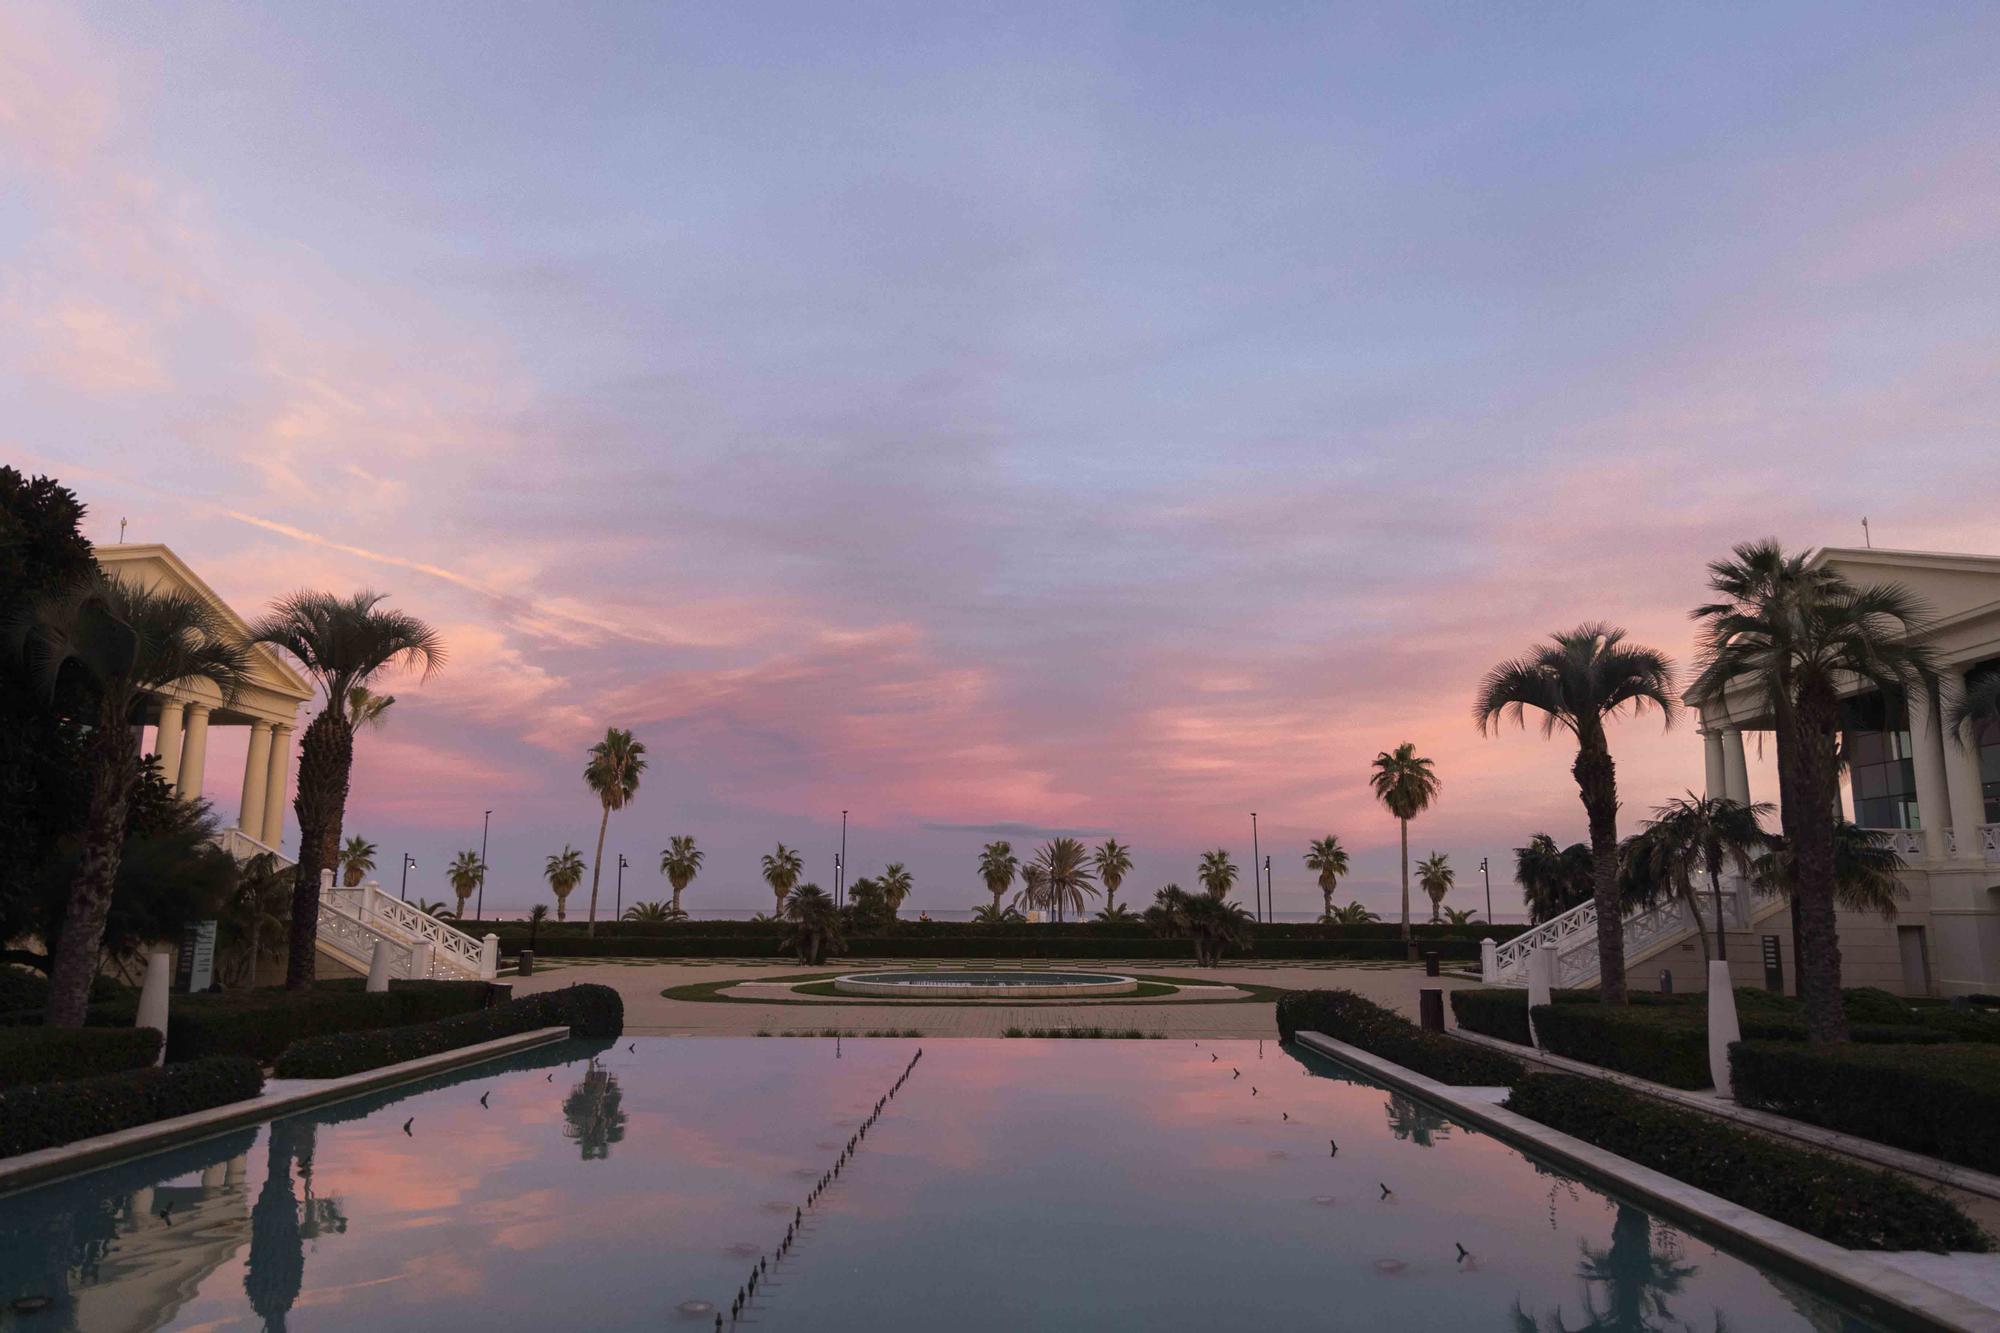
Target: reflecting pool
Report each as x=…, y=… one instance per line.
x=1010, y=1184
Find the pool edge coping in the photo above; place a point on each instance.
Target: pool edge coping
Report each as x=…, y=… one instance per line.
x=1854, y=1272
x=29, y=1169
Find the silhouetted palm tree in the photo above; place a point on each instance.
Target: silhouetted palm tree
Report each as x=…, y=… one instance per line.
x=1034, y=893
x=653, y=913
x=896, y=885
x=1866, y=868
x=1066, y=876
x=1699, y=833
x=1217, y=873
x=357, y=860
x=465, y=872
x=1328, y=860
x=1553, y=879
x=340, y=643
x=997, y=865
x=564, y=871
x=613, y=777
x=1435, y=876
x=1405, y=782
x=680, y=862
x=1113, y=862
x=1578, y=681
x=594, y=1114
x=812, y=924
x=122, y=642
x=1796, y=635
x=1214, y=925
x=366, y=708
x=782, y=869
x=1352, y=914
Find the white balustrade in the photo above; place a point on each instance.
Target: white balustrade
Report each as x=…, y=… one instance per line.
x=1989, y=841
x=1573, y=935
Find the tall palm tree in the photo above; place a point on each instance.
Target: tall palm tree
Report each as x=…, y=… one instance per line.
x=812, y=924
x=122, y=642
x=357, y=860
x=1405, y=782
x=339, y=643
x=1700, y=833
x=1217, y=872
x=1578, y=681
x=564, y=871
x=465, y=872
x=1113, y=862
x=613, y=777
x=1213, y=924
x=1327, y=859
x=782, y=869
x=1066, y=876
x=997, y=864
x=1795, y=634
x=1435, y=876
x=896, y=885
x=365, y=708
x=680, y=862
x=1034, y=893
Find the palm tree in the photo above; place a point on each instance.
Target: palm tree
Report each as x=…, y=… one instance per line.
x=1865, y=869
x=1796, y=635
x=339, y=643
x=1217, y=873
x=465, y=872
x=997, y=865
x=536, y=915
x=653, y=913
x=262, y=898
x=993, y=914
x=1066, y=876
x=1553, y=879
x=365, y=708
x=1327, y=859
x=122, y=642
x=1460, y=916
x=812, y=924
x=896, y=885
x=1213, y=924
x=1978, y=705
x=1699, y=833
x=1435, y=876
x=613, y=777
x=594, y=1114
x=436, y=908
x=1116, y=912
x=1034, y=893
x=1113, y=862
x=1353, y=914
x=1405, y=782
x=564, y=871
x=680, y=862
x=1578, y=681
x=357, y=860
x=782, y=869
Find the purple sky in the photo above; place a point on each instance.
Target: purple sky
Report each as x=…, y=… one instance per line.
x=1088, y=418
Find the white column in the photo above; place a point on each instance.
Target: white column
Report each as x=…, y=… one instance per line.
x=153, y=997
x=194, y=753
x=1715, y=774
x=1723, y=1030
x=1927, y=759
x=256, y=772
x=1735, y=768
x=1489, y=961
x=169, y=745
x=274, y=787
x=1541, y=982
x=1968, y=801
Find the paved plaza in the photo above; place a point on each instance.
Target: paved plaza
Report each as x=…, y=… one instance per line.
x=640, y=981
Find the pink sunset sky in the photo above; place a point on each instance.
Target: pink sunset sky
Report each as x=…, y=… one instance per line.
x=1101, y=419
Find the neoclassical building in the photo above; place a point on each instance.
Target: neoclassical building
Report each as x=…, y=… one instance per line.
x=268, y=706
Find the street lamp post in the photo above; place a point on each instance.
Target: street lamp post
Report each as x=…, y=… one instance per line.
x=836, y=879
x=1256, y=876
x=619, y=910
x=840, y=865
x=1487, y=875
x=408, y=861
x=1270, y=893
x=485, y=827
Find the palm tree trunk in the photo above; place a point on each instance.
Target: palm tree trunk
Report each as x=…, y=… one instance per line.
x=1597, y=785
x=677, y=898
x=1406, y=883
x=114, y=758
x=596, y=865
x=1812, y=853
x=1713, y=852
x=326, y=758
x=562, y=906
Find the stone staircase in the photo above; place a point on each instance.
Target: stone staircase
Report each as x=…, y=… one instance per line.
x=1648, y=932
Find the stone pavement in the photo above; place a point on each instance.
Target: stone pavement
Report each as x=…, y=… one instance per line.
x=640, y=981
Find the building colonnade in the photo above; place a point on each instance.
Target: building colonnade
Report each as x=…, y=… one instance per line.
x=267, y=762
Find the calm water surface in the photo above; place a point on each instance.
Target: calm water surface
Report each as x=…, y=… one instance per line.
x=1011, y=1185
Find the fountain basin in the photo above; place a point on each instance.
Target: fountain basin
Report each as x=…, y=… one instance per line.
x=975, y=985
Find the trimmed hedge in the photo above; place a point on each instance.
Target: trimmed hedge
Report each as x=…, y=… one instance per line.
x=46, y=1115
x=1940, y=1100
x=514, y=933
x=588, y=1011
x=1347, y=1017
x=1856, y=1207
x=966, y=946
x=262, y=1023
x=44, y=1054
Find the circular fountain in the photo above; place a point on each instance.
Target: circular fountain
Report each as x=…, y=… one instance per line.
x=972, y=985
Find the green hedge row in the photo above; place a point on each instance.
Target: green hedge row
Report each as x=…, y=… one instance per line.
x=1939, y=1100
x=1852, y=1206
x=988, y=946
x=261, y=1023
x=1348, y=1017
x=903, y=928
x=45, y=1115
x=588, y=1011
x=39, y=1054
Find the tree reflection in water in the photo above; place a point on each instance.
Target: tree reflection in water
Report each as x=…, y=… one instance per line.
x=1626, y=1286
x=1411, y=1119
x=594, y=1114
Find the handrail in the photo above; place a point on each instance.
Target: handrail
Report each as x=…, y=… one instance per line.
x=452, y=951
x=1574, y=935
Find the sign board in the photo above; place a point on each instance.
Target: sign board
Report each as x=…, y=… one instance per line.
x=1774, y=966
x=195, y=969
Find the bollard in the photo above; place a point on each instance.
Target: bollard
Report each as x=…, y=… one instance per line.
x=1666, y=981
x=1430, y=1008
x=1489, y=961
x=378, y=967
x=1430, y=962
x=1722, y=1027
x=153, y=997
x=527, y=963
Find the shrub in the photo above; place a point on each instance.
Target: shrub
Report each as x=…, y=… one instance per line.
x=1856, y=1207
x=41, y=1054
x=261, y=1023
x=1940, y=1100
x=1666, y=1045
x=45, y=1115
x=1027, y=944
x=1347, y=1017
x=588, y=1011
